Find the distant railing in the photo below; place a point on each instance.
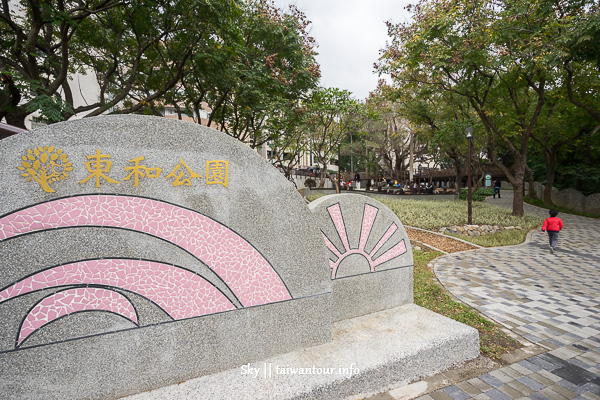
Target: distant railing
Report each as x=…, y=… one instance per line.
x=9, y=130
x=423, y=174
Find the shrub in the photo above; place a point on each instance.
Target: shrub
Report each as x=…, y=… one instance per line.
x=478, y=195
x=310, y=183
x=313, y=197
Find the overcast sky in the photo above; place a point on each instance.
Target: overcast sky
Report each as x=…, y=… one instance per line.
x=350, y=34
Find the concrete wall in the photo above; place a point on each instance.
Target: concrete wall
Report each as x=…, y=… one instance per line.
x=369, y=254
x=568, y=198
x=138, y=252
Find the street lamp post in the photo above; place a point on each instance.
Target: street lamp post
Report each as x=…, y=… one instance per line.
x=469, y=132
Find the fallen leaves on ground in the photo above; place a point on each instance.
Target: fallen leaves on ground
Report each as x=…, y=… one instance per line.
x=445, y=243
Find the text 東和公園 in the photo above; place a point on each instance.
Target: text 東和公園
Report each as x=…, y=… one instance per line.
x=49, y=164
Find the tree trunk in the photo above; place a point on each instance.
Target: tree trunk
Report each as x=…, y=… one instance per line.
x=531, y=190
x=324, y=175
x=550, y=161
x=517, y=180
x=17, y=118
x=411, y=158
x=531, y=193
x=518, y=187
x=10, y=97
x=459, y=174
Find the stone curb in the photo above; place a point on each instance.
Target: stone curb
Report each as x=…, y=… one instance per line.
x=429, y=246
x=446, y=236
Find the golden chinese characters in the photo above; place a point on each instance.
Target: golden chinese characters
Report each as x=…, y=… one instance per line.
x=46, y=165
x=138, y=171
x=184, y=171
x=98, y=167
x=217, y=172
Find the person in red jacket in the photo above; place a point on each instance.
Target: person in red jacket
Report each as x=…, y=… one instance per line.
x=553, y=225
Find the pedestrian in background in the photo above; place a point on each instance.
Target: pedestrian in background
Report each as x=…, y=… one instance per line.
x=497, y=186
x=553, y=225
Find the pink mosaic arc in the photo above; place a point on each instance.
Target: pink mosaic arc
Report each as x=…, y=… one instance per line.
x=245, y=271
x=369, y=215
x=179, y=292
x=71, y=301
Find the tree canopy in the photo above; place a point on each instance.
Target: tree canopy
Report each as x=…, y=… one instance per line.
x=240, y=58
x=507, y=62
x=525, y=76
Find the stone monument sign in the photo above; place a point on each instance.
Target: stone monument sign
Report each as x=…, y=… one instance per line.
x=141, y=252
x=370, y=258
x=138, y=252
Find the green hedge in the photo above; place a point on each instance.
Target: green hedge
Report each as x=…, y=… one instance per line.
x=478, y=195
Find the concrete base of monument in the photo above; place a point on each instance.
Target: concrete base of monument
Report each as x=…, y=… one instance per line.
x=368, y=355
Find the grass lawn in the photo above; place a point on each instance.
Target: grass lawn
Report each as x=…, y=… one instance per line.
x=435, y=214
x=429, y=294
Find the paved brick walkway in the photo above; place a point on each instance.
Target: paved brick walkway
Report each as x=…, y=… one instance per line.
x=551, y=300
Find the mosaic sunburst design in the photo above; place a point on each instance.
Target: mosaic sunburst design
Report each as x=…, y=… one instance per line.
x=252, y=279
x=73, y=301
x=369, y=215
x=178, y=292
x=98, y=283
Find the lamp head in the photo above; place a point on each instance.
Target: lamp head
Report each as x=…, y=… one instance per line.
x=469, y=132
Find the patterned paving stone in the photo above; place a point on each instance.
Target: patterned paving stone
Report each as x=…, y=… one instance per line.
x=590, y=396
x=550, y=299
x=510, y=392
x=491, y=380
x=500, y=375
x=563, y=391
x=440, y=395
x=530, y=366
x=541, y=379
x=551, y=394
x=456, y=393
x=468, y=388
x=550, y=375
x=510, y=371
x=527, y=381
x=497, y=395
x=571, y=386
x=526, y=390
x=543, y=363
x=479, y=384
x=539, y=396
x=574, y=374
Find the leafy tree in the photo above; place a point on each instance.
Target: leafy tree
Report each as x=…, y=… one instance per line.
x=572, y=41
x=440, y=119
x=36, y=44
x=484, y=52
x=390, y=133
x=566, y=149
x=332, y=115
x=562, y=126
x=289, y=136
x=136, y=50
x=264, y=60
